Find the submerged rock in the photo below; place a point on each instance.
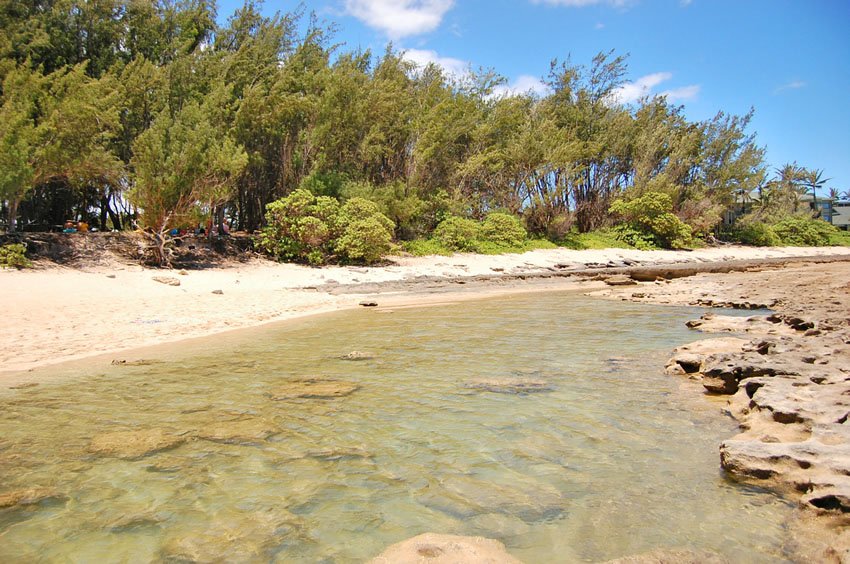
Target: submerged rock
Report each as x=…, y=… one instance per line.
x=671, y=556
x=249, y=537
x=134, y=444
x=313, y=388
x=30, y=496
x=465, y=496
x=446, y=549
x=515, y=385
x=243, y=432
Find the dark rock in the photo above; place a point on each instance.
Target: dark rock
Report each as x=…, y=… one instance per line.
x=218, y=292
x=369, y=304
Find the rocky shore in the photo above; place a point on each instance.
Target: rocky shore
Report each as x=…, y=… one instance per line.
x=787, y=376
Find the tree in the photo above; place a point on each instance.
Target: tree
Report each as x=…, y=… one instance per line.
x=813, y=180
x=55, y=128
x=181, y=162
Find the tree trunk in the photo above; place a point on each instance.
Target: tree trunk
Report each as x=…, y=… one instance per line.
x=12, y=224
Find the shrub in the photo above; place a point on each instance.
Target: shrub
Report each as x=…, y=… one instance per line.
x=756, y=233
x=801, y=231
x=13, y=255
x=458, y=233
x=503, y=229
x=304, y=227
x=650, y=216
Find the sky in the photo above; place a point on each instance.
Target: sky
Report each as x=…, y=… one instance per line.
x=789, y=60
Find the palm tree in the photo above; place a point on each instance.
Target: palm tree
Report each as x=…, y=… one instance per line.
x=788, y=180
x=812, y=180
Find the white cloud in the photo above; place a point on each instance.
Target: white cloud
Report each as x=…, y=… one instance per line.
x=631, y=92
x=599, y=25
x=421, y=58
x=522, y=85
x=400, y=18
x=682, y=93
x=793, y=85
x=685, y=2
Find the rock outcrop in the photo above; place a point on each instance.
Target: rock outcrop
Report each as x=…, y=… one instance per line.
x=788, y=384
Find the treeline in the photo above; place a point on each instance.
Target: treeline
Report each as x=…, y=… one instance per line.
x=119, y=109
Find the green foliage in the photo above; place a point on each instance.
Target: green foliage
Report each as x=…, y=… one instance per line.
x=425, y=247
x=803, y=231
x=318, y=230
x=499, y=233
x=13, y=255
x=790, y=230
x=650, y=219
x=503, y=229
x=757, y=233
x=840, y=238
x=458, y=234
x=606, y=238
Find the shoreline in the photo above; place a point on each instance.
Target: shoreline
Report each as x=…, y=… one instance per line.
x=794, y=445
x=114, y=309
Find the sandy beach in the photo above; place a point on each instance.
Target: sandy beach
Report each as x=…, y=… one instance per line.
x=55, y=314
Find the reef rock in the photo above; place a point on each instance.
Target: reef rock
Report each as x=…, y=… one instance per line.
x=243, y=432
x=446, y=549
x=30, y=496
x=674, y=556
x=134, y=444
x=313, y=388
x=515, y=385
x=528, y=501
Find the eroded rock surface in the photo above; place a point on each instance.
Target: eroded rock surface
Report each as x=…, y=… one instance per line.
x=788, y=385
x=446, y=549
x=134, y=444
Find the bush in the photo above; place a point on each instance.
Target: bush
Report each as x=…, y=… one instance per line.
x=800, y=231
x=458, y=234
x=13, y=255
x=650, y=219
x=756, y=233
x=503, y=229
x=304, y=227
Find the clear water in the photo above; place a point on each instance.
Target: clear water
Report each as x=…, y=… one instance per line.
x=616, y=459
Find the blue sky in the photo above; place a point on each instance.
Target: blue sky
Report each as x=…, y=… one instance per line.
x=788, y=59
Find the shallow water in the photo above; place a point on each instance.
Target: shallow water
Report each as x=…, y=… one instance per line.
x=613, y=458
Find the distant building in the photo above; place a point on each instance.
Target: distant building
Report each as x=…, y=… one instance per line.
x=841, y=214
x=822, y=206
x=828, y=209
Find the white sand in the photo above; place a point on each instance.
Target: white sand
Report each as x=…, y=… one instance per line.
x=57, y=314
